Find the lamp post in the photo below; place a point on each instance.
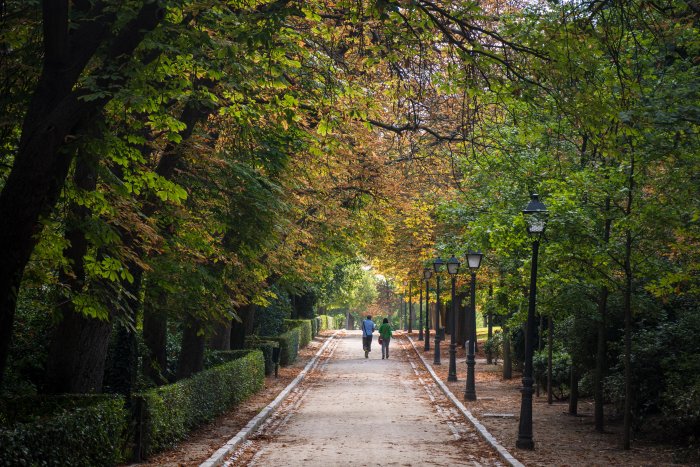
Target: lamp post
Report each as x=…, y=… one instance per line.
x=410, y=307
x=420, y=312
x=427, y=272
x=453, y=268
x=437, y=266
x=474, y=261
x=536, y=216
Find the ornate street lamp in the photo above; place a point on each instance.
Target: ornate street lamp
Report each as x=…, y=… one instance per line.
x=403, y=306
x=536, y=215
x=437, y=266
x=420, y=312
x=427, y=273
x=453, y=268
x=410, y=307
x=474, y=261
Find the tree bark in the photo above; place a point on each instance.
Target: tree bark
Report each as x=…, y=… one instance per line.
x=78, y=348
x=239, y=330
x=155, y=336
x=507, y=358
x=573, y=385
x=41, y=164
x=221, y=337
x=462, y=321
x=601, y=348
x=550, y=343
x=191, y=359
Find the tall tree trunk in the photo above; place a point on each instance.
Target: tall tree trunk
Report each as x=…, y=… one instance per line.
x=573, y=385
x=601, y=359
x=550, y=343
x=41, y=164
x=627, y=309
x=601, y=348
x=489, y=324
x=244, y=327
x=221, y=337
x=78, y=348
x=155, y=336
x=463, y=309
x=125, y=368
x=191, y=359
x=507, y=357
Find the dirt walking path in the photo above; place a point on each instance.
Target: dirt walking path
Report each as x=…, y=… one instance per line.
x=365, y=412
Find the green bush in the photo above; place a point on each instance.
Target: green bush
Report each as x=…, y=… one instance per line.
x=305, y=330
x=494, y=346
x=166, y=414
x=266, y=346
x=327, y=322
x=80, y=430
x=219, y=357
x=289, y=345
x=561, y=371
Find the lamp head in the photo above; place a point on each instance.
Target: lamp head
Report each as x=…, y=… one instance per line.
x=536, y=216
x=453, y=265
x=474, y=259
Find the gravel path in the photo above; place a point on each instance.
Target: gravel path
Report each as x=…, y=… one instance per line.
x=361, y=412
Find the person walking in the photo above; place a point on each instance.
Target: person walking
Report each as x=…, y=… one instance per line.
x=385, y=337
x=368, y=328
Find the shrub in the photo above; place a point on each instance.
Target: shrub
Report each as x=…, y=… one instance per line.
x=219, y=357
x=327, y=322
x=266, y=347
x=166, y=414
x=305, y=330
x=269, y=321
x=81, y=430
x=561, y=371
x=289, y=345
x=494, y=346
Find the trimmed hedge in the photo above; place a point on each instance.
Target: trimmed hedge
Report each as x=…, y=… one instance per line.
x=166, y=414
x=289, y=345
x=327, y=322
x=266, y=346
x=305, y=330
x=80, y=430
x=219, y=357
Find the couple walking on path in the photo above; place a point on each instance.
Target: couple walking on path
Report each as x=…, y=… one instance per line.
x=368, y=327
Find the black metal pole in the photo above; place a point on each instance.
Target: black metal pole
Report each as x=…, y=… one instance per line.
x=436, y=360
x=452, y=372
x=420, y=313
x=410, y=308
x=525, y=428
x=426, y=347
x=470, y=390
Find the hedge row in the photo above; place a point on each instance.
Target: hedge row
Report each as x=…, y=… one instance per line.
x=305, y=327
x=80, y=430
x=327, y=322
x=166, y=414
x=267, y=348
x=289, y=345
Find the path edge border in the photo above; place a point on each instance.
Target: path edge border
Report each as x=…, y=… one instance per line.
x=481, y=429
x=218, y=457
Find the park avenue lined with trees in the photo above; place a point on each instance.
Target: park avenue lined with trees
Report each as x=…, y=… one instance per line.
x=192, y=191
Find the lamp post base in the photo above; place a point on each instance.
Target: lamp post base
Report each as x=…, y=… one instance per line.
x=436, y=358
x=470, y=390
x=525, y=440
x=452, y=372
